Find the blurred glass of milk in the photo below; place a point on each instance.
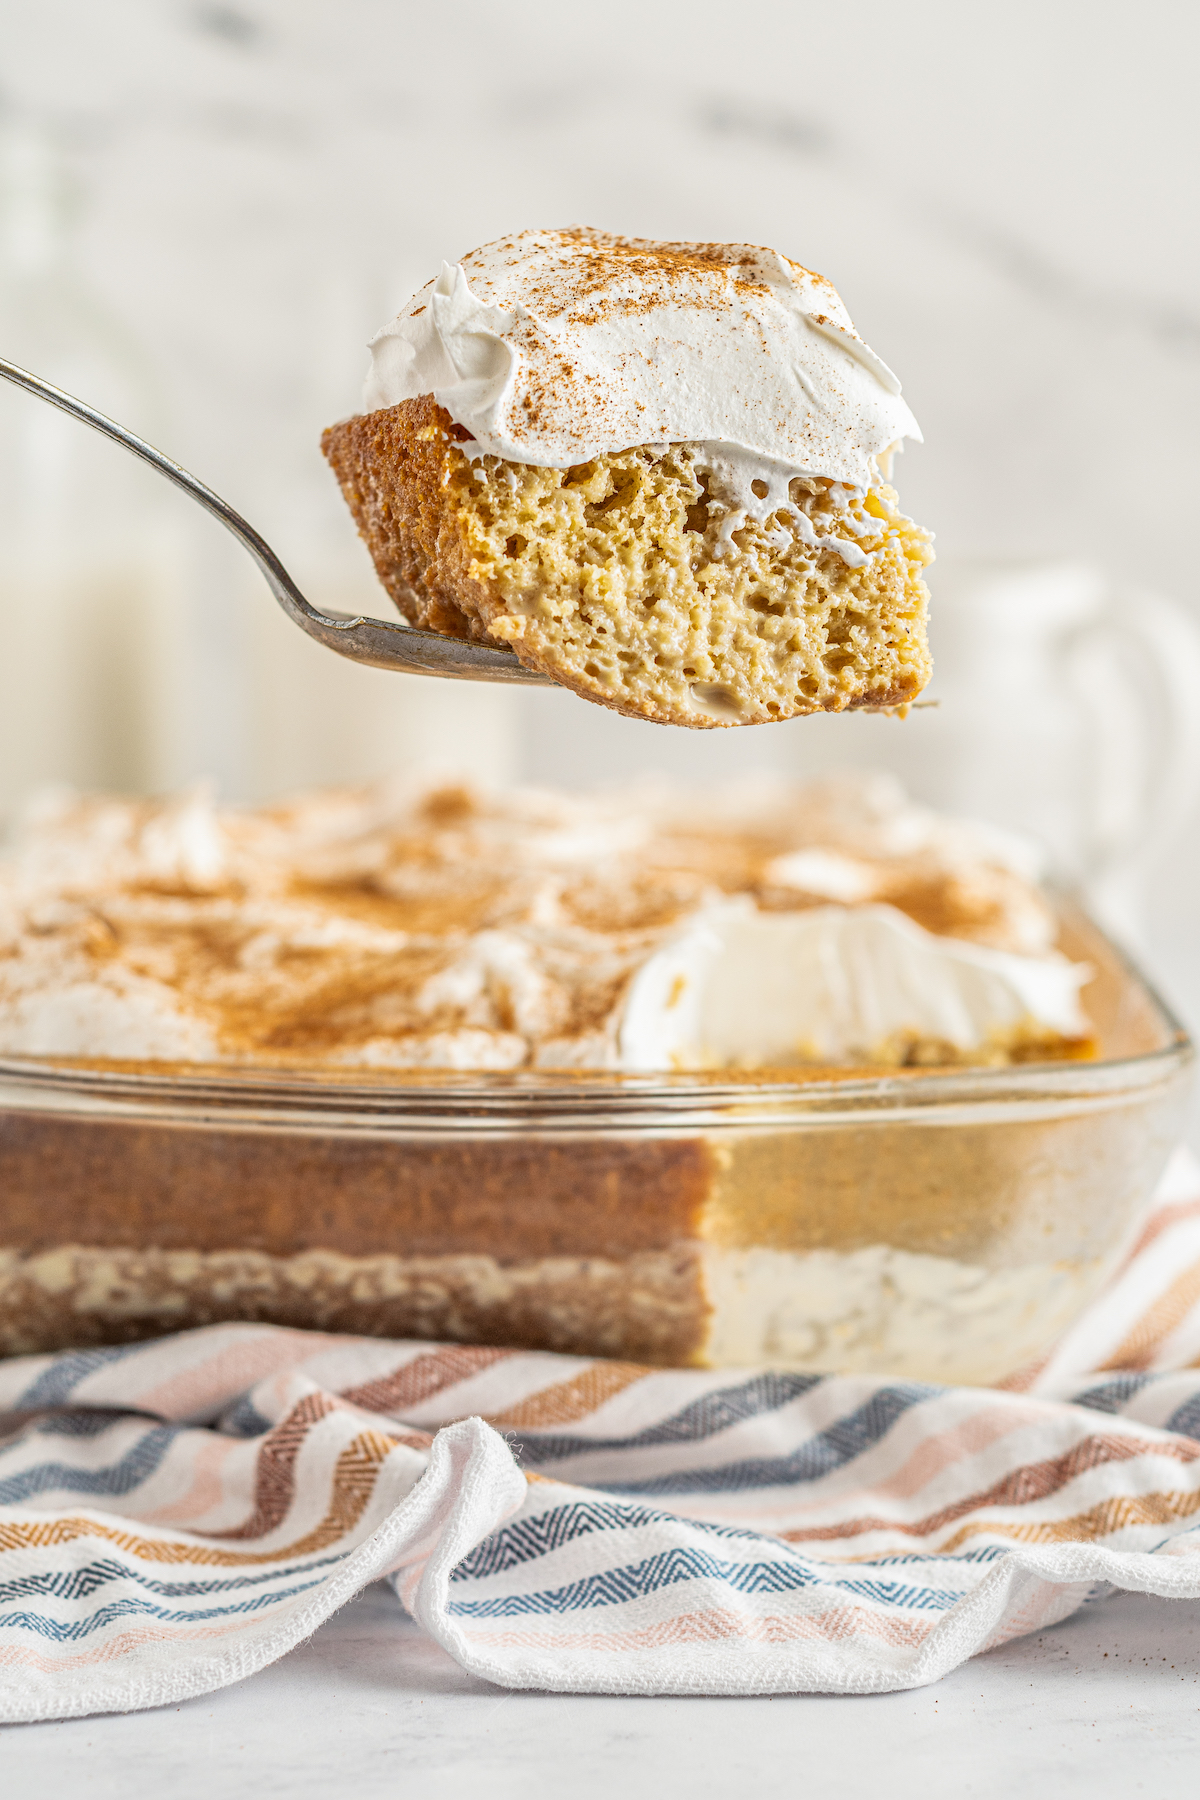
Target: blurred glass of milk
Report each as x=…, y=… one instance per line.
x=1066, y=709
x=89, y=570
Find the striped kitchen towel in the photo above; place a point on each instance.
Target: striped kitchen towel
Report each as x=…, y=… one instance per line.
x=175, y=1515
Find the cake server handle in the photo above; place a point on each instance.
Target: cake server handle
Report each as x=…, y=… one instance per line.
x=376, y=642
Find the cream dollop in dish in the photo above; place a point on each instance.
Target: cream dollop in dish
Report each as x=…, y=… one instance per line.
x=658, y=471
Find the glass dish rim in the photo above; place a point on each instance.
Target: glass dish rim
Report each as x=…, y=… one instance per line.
x=230, y=1094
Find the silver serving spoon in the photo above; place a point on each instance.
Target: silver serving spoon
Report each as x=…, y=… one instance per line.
x=381, y=644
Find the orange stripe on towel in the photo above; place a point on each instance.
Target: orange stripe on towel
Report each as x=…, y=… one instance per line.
x=1020, y=1487
x=351, y=1487
x=1136, y=1350
x=566, y=1402
x=423, y=1377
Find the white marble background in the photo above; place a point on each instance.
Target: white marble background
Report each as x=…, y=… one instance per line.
x=1004, y=196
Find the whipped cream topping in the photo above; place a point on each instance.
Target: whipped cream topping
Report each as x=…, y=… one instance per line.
x=553, y=347
x=742, y=989
x=402, y=927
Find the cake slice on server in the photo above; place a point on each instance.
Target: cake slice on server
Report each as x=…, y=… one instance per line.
x=658, y=471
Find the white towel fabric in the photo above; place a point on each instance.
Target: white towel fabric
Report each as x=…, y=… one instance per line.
x=178, y=1514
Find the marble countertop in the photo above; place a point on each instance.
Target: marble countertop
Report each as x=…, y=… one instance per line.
x=1106, y=1704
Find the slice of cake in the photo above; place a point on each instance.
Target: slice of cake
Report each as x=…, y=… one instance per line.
x=657, y=471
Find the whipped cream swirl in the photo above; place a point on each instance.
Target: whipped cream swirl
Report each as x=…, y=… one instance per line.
x=553, y=347
x=741, y=988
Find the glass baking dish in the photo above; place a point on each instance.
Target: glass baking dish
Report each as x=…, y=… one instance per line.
x=944, y=1224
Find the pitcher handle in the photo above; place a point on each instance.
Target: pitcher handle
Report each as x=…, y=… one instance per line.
x=1135, y=669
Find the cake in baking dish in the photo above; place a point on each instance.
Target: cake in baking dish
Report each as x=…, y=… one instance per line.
x=658, y=472
x=423, y=1060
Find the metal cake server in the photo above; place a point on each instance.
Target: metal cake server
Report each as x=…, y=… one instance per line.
x=377, y=642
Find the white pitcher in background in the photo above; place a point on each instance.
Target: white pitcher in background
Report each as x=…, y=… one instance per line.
x=1068, y=709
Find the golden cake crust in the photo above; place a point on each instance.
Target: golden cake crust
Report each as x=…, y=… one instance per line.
x=614, y=577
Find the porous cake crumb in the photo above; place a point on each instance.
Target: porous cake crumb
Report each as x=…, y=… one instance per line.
x=619, y=579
